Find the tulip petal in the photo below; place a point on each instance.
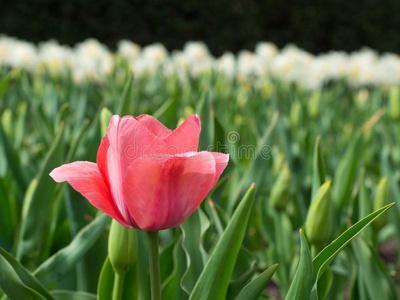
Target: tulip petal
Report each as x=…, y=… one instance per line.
x=221, y=161
x=185, y=138
x=154, y=126
x=161, y=192
x=129, y=140
x=102, y=158
x=85, y=178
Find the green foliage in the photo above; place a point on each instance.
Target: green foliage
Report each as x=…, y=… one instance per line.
x=286, y=139
x=214, y=279
x=302, y=281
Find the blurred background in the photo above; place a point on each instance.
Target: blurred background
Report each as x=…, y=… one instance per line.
x=316, y=26
x=329, y=118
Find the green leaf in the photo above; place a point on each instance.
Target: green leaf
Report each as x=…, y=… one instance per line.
x=3, y=159
x=171, y=287
x=12, y=285
x=302, y=281
x=20, y=123
x=75, y=143
x=64, y=260
x=126, y=98
x=105, y=117
x=254, y=289
x=40, y=209
x=106, y=281
x=193, y=230
x=204, y=110
x=13, y=161
x=326, y=256
x=256, y=166
x=69, y=295
x=345, y=175
x=4, y=84
x=24, y=275
x=236, y=285
x=319, y=172
x=163, y=108
x=323, y=286
x=214, y=280
x=9, y=214
x=378, y=284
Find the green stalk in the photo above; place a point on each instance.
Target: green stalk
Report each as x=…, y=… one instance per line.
x=155, y=282
x=118, y=286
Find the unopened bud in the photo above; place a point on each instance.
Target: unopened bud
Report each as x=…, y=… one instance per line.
x=122, y=247
x=319, y=220
x=295, y=114
x=313, y=104
x=380, y=200
x=394, y=103
x=279, y=193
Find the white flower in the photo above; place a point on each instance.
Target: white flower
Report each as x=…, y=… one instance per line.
x=226, y=64
x=128, y=50
x=54, y=57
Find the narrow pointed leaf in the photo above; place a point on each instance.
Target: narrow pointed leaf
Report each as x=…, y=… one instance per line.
x=326, y=256
x=214, y=280
x=254, y=289
x=12, y=285
x=106, y=281
x=193, y=230
x=319, y=172
x=24, y=275
x=39, y=210
x=64, y=260
x=300, y=287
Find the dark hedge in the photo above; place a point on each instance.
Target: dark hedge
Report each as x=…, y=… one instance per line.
x=316, y=26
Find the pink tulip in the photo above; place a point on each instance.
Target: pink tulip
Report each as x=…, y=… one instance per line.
x=147, y=176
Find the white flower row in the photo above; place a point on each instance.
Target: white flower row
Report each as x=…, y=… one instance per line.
x=90, y=60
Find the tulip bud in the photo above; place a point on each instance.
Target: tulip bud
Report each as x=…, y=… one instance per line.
x=380, y=200
x=394, y=103
x=319, y=220
x=313, y=104
x=278, y=162
x=279, y=193
x=295, y=114
x=7, y=122
x=122, y=249
x=105, y=116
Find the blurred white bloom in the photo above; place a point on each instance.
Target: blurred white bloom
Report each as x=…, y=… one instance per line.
x=54, y=57
x=195, y=51
x=5, y=49
x=198, y=58
x=226, y=64
x=17, y=54
x=150, y=60
x=247, y=64
x=128, y=50
x=362, y=67
x=266, y=51
x=388, y=70
x=155, y=53
x=92, y=61
x=177, y=65
x=291, y=64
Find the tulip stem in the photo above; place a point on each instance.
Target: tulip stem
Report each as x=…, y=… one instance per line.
x=154, y=265
x=118, y=286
